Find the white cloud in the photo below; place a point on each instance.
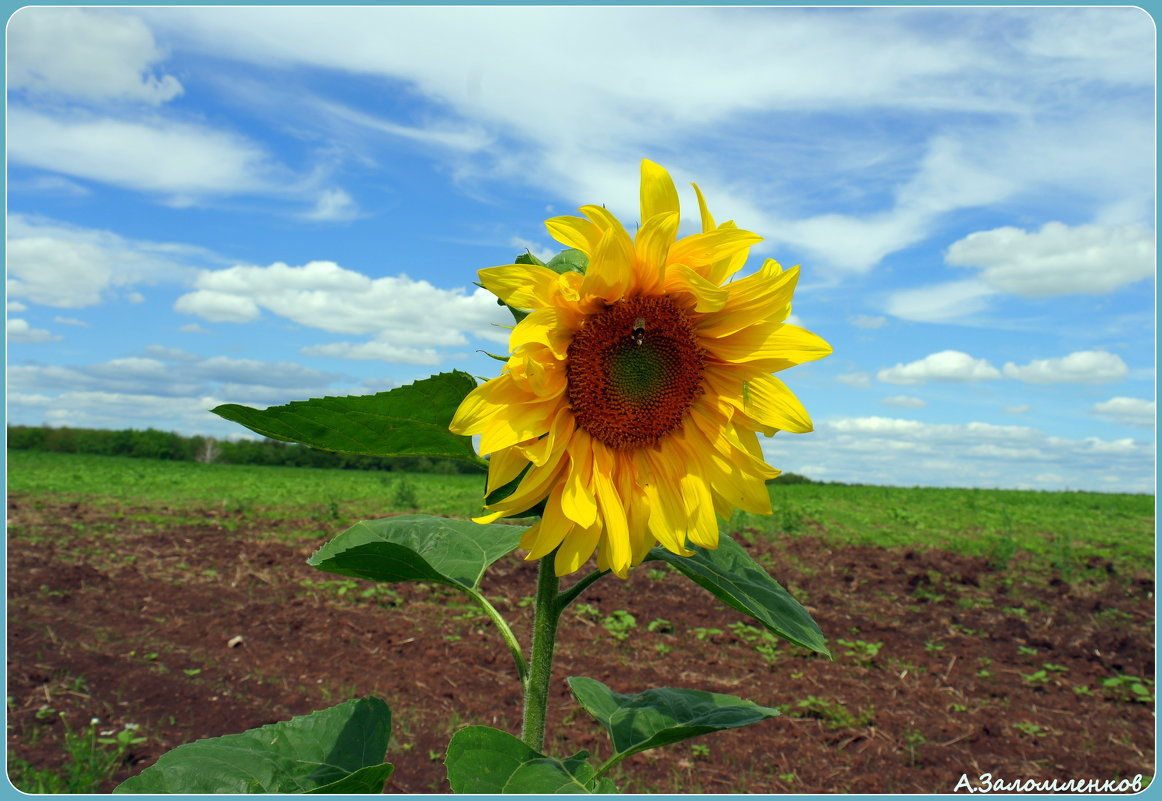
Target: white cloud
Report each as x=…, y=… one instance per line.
x=16, y=307
x=145, y=154
x=20, y=331
x=241, y=380
x=908, y=452
x=858, y=380
x=404, y=317
x=1082, y=367
x=66, y=267
x=904, y=402
x=868, y=322
x=71, y=321
x=377, y=350
x=1020, y=408
x=940, y=303
x=91, y=54
x=1058, y=259
x=193, y=328
x=333, y=205
x=1129, y=411
x=947, y=365
x=1031, y=118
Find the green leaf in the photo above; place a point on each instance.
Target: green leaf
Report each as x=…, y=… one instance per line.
x=659, y=717
x=418, y=548
x=528, y=258
x=336, y=750
x=486, y=760
x=738, y=581
x=569, y=260
x=411, y=420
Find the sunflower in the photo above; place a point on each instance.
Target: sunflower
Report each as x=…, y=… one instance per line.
x=633, y=392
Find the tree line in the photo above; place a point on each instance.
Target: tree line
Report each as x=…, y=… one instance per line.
x=154, y=444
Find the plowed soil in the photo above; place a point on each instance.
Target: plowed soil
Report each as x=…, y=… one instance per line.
x=210, y=624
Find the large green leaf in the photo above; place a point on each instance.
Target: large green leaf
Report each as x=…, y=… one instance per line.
x=411, y=420
x=659, y=717
x=418, y=548
x=738, y=581
x=486, y=760
x=569, y=260
x=336, y=750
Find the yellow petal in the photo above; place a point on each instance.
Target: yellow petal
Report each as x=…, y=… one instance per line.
x=517, y=423
x=577, y=497
x=613, y=517
x=503, y=467
x=522, y=286
x=658, y=195
x=667, y=520
x=535, y=369
x=552, y=326
x=652, y=246
x=576, y=549
x=702, y=251
x=539, y=451
x=708, y=297
x=610, y=273
x=574, y=232
x=554, y=527
x=707, y=221
x=764, y=296
x=760, y=396
x=483, y=402
x=769, y=346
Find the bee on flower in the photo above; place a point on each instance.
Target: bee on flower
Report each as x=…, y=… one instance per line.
x=634, y=392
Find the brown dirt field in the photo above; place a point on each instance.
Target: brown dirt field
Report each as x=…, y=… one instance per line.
x=126, y=604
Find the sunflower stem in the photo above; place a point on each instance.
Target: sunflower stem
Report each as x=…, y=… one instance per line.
x=545, y=617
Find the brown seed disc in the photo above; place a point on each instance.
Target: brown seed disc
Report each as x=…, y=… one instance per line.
x=633, y=370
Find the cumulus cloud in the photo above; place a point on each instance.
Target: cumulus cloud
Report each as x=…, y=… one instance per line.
x=1082, y=367
x=1129, y=411
x=868, y=322
x=89, y=54
x=884, y=450
x=405, y=318
x=1020, y=408
x=20, y=331
x=904, y=402
x=52, y=264
x=1058, y=259
x=947, y=365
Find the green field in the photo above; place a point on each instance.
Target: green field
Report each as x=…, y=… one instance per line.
x=1057, y=530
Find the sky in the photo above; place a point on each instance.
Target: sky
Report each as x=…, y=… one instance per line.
x=259, y=205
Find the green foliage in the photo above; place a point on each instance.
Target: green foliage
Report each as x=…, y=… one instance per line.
x=1129, y=689
x=91, y=758
x=169, y=446
x=659, y=717
x=732, y=576
x=411, y=420
x=483, y=760
x=336, y=750
x=833, y=713
x=619, y=624
x=862, y=653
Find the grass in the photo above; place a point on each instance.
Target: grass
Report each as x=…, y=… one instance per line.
x=268, y=493
x=1061, y=530
x=1056, y=530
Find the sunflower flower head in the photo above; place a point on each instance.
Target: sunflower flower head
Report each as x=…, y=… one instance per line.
x=634, y=391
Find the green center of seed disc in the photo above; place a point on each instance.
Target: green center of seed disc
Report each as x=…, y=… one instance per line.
x=637, y=372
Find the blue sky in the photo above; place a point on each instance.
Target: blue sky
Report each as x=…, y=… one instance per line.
x=259, y=205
